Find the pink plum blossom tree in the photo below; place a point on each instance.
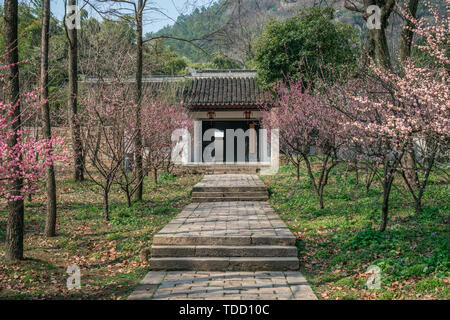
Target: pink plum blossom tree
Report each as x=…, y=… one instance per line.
x=160, y=119
x=108, y=137
x=306, y=122
x=387, y=112
x=28, y=158
x=24, y=157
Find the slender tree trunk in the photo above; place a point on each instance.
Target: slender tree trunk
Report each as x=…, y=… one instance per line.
x=382, y=55
x=73, y=104
x=385, y=208
x=36, y=136
x=155, y=175
x=406, y=37
x=322, y=205
x=387, y=185
x=50, y=223
x=15, y=223
x=370, y=175
x=368, y=50
x=106, y=203
x=97, y=143
x=127, y=192
x=405, y=42
x=410, y=168
x=319, y=185
x=418, y=205
x=138, y=139
x=420, y=186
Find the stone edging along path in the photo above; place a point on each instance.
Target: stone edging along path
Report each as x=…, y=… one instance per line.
x=219, y=249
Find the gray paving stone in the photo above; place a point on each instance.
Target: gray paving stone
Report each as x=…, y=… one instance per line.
x=303, y=292
x=153, y=277
x=143, y=292
x=236, y=285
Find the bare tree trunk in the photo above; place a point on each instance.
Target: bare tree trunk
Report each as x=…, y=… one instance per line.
x=420, y=186
x=15, y=224
x=36, y=136
x=370, y=176
x=382, y=55
x=388, y=179
x=407, y=32
x=410, y=168
x=319, y=185
x=356, y=171
x=155, y=175
x=368, y=50
x=409, y=161
x=376, y=44
x=138, y=139
x=50, y=223
x=72, y=102
x=127, y=192
x=322, y=205
x=384, y=211
x=106, y=203
x=97, y=143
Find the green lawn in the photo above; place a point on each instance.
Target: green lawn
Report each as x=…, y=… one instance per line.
x=338, y=243
x=108, y=253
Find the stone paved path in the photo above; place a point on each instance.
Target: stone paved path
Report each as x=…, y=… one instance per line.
x=196, y=285
x=226, y=219
x=218, y=250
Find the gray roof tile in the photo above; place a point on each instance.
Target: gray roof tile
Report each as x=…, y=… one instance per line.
x=204, y=92
x=221, y=91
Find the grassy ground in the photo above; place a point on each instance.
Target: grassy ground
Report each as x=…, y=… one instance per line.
x=338, y=243
x=108, y=253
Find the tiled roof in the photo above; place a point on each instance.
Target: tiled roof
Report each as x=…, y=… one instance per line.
x=204, y=89
x=221, y=91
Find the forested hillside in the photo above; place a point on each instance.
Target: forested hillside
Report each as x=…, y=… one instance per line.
x=229, y=27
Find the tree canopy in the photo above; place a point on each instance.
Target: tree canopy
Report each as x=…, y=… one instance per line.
x=308, y=45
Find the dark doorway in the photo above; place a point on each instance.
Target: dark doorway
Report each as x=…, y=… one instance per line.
x=223, y=126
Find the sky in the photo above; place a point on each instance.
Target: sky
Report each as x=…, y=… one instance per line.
x=170, y=9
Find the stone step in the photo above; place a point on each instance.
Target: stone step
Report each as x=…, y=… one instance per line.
x=230, y=189
x=225, y=264
x=227, y=172
x=237, y=168
x=260, y=240
x=240, y=198
x=231, y=171
x=232, y=167
x=223, y=251
x=212, y=194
